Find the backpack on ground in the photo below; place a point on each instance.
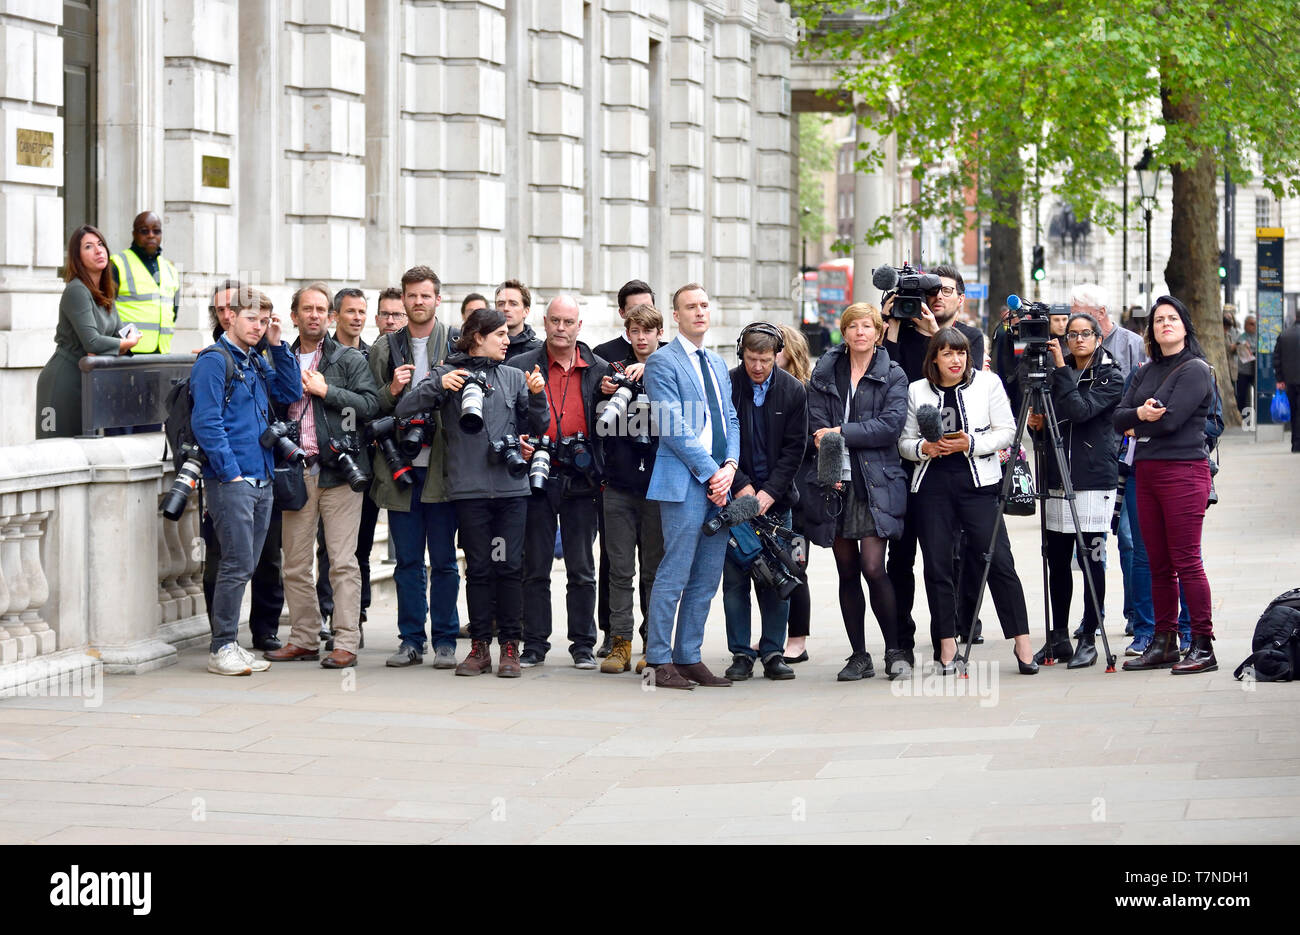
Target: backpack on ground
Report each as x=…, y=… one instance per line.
x=1276, y=643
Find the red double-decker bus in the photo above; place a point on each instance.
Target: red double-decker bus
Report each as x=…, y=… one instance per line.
x=834, y=289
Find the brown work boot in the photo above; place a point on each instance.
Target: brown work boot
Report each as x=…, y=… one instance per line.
x=479, y=660
x=620, y=656
x=1200, y=658
x=508, y=667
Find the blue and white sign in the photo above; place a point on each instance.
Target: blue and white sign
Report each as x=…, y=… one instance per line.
x=977, y=290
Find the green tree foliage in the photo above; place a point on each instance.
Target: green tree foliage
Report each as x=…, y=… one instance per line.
x=816, y=156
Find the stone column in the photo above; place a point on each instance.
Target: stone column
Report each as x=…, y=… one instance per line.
x=19, y=592
x=730, y=282
x=873, y=196
x=624, y=143
x=131, y=115
x=383, y=143
x=776, y=262
x=201, y=113
x=8, y=644
x=260, y=190
x=32, y=529
x=453, y=109
x=688, y=57
x=555, y=131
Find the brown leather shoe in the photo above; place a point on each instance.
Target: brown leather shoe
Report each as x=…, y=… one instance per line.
x=292, y=653
x=667, y=676
x=699, y=672
x=1200, y=658
x=1161, y=654
x=479, y=660
x=339, y=659
x=508, y=666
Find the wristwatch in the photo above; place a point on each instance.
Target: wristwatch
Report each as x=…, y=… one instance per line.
x=732, y=462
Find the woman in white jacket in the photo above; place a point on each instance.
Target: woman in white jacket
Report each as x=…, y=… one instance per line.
x=956, y=487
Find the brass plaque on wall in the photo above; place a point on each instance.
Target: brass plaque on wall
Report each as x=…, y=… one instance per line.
x=216, y=172
x=35, y=148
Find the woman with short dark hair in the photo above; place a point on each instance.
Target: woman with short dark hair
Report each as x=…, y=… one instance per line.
x=957, y=484
x=1165, y=409
x=88, y=324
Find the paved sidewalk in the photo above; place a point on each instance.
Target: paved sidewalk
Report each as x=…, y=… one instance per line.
x=414, y=755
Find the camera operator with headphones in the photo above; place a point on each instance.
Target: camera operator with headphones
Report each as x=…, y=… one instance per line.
x=339, y=395
x=568, y=496
x=772, y=407
x=484, y=404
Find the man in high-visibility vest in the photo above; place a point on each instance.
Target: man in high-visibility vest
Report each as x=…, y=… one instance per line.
x=148, y=286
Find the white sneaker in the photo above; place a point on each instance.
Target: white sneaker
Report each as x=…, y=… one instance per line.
x=228, y=661
x=254, y=663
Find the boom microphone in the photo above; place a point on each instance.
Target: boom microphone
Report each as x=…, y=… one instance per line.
x=1013, y=302
x=739, y=510
x=930, y=422
x=884, y=278
x=830, y=460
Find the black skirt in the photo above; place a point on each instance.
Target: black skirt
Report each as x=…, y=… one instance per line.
x=855, y=520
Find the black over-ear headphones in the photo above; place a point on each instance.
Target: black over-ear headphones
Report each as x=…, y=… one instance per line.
x=759, y=327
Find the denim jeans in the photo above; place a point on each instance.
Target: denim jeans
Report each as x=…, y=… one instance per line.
x=267, y=585
x=686, y=582
x=1144, y=617
x=431, y=527
x=240, y=514
x=1125, y=536
x=773, y=612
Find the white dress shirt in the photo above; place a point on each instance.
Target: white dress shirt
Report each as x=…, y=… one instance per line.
x=704, y=373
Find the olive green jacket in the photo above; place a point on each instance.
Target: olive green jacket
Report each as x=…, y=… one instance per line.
x=385, y=491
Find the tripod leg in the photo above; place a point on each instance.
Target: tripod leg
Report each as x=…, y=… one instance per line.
x=1040, y=478
x=1003, y=491
x=1089, y=586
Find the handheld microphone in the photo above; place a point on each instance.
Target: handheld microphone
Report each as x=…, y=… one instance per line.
x=884, y=278
x=830, y=460
x=930, y=422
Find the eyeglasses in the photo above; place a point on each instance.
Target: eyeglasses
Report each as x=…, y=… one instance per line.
x=393, y=315
x=1079, y=335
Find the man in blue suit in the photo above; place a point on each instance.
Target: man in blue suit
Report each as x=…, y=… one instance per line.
x=699, y=444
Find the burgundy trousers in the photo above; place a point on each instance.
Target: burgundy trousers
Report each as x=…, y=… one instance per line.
x=1171, y=500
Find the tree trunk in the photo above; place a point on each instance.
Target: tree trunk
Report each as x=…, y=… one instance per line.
x=1006, y=260
x=1192, y=270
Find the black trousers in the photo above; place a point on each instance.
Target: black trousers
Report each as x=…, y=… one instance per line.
x=267, y=583
x=1293, y=397
x=899, y=569
x=944, y=510
x=365, y=542
x=1061, y=547
x=602, y=568
x=492, y=536
x=576, y=520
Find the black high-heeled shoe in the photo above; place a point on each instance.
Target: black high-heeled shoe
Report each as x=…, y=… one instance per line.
x=1026, y=668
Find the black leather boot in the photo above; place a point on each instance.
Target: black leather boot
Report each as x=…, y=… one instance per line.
x=1085, y=654
x=1161, y=654
x=1200, y=658
x=1057, y=646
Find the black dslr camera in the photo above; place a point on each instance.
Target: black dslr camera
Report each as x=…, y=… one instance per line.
x=282, y=439
x=614, y=413
x=910, y=289
x=383, y=433
x=415, y=433
x=505, y=450
x=341, y=454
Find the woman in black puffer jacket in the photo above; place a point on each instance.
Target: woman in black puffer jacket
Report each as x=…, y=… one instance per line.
x=1085, y=391
x=874, y=486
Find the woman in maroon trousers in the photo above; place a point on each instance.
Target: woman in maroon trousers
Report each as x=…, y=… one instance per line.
x=1165, y=409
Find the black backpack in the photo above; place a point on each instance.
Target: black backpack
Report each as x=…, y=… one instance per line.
x=180, y=405
x=1276, y=643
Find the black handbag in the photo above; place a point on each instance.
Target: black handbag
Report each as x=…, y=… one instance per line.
x=289, y=487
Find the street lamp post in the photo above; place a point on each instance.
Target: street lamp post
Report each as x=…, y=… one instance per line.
x=1148, y=173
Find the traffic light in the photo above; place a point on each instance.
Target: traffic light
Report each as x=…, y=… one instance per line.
x=1036, y=267
x=1224, y=263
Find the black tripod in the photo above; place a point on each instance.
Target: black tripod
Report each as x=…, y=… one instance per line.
x=1033, y=377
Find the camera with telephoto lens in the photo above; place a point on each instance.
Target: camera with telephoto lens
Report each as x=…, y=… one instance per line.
x=615, y=412
x=415, y=433
x=574, y=455
x=539, y=466
x=505, y=450
x=341, y=454
x=186, y=482
x=281, y=438
x=383, y=433
x=472, y=393
x=910, y=287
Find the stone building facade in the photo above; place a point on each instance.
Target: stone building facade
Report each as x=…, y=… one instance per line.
x=574, y=144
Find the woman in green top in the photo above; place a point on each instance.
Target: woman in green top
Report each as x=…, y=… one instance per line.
x=88, y=324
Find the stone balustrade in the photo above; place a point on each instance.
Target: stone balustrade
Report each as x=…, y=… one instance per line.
x=89, y=569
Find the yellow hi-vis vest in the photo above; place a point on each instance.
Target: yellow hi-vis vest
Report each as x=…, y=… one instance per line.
x=145, y=303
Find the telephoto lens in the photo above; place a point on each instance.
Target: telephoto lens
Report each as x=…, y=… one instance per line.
x=382, y=432
x=615, y=411
x=539, y=468
x=281, y=438
x=505, y=451
x=341, y=455
x=186, y=482
x=416, y=433
x=471, y=403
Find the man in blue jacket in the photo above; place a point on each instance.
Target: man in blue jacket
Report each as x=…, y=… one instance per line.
x=228, y=419
x=699, y=444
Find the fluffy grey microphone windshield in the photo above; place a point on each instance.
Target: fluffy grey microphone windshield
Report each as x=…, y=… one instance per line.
x=930, y=423
x=830, y=459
